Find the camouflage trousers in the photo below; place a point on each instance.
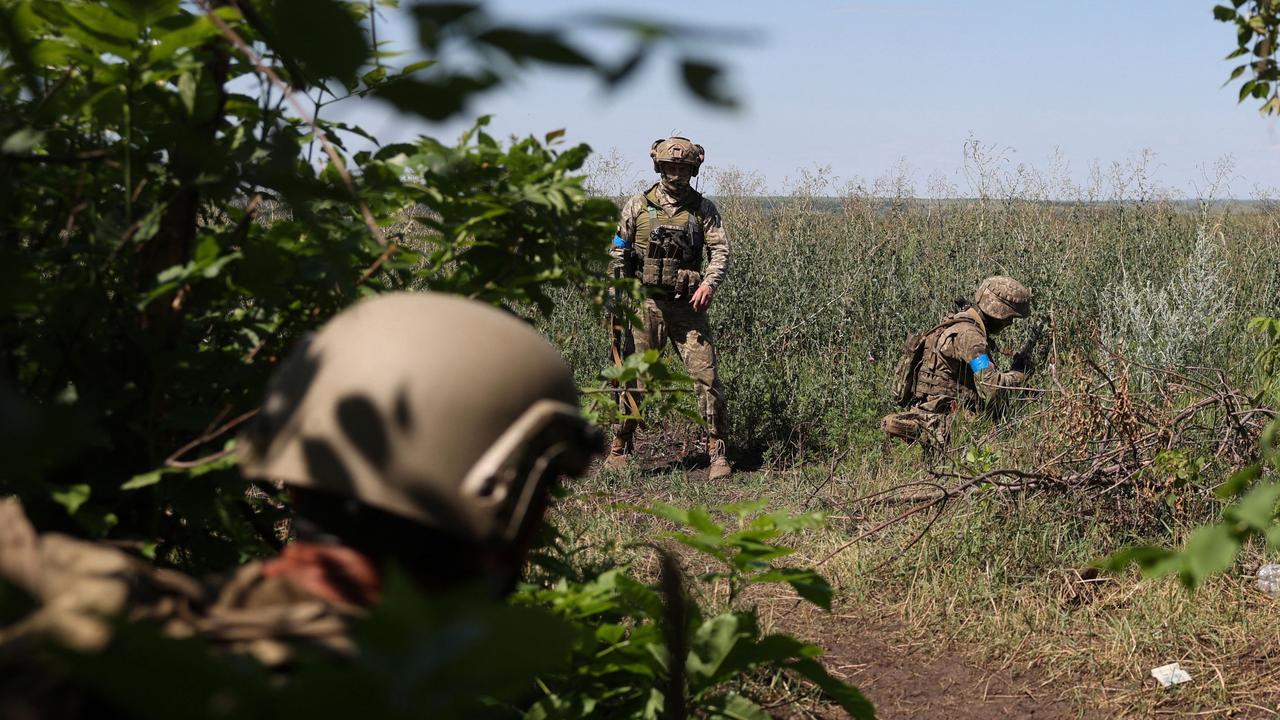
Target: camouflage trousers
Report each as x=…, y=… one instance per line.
x=690, y=333
x=919, y=425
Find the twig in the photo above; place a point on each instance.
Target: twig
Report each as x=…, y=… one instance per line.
x=319, y=132
x=173, y=461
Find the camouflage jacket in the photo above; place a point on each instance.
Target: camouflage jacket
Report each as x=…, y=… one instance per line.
x=714, y=234
x=80, y=588
x=958, y=367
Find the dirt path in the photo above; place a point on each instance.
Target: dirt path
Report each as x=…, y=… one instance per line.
x=908, y=678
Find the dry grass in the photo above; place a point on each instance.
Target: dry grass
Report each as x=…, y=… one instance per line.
x=1001, y=581
x=827, y=281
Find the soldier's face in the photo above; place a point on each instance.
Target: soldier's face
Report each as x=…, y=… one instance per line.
x=995, y=325
x=675, y=170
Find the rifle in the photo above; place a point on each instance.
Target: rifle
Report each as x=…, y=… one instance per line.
x=621, y=344
x=1022, y=358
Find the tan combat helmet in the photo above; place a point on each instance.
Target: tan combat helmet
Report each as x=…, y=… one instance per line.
x=1002, y=298
x=432, y=407
x=676, y=149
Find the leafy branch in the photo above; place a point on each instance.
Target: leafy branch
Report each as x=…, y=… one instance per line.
x=1257, y=30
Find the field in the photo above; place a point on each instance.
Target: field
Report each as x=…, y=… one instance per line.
x=987, y=607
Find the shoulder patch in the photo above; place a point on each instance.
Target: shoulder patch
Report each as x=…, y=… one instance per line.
x=980, y=363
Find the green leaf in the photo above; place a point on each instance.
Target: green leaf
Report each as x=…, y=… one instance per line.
x=813, y=587
x=321, y=35
x=1245, y=89
x=99, y=29
x=663, y=510
x=183, y=34
x=1153, y=561
x=144, y=12
x=1257, y=510
x=745, y=508
x=847, y=696
x=1238, y=481
x=71, y=497
x=700, y=520
x=525, y=45
x=22, y=142
x=416, y=66
x=1237, y=72
x=1223, y=14
x=438, y=98
x=736, y=707
x=1210, y=550
x=187, y=85
x=144, y=480
x=711, y=644
x=1273, y=536
x=436, y=20
x=704, y=80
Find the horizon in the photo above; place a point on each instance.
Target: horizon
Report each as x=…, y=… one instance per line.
x=869, y=87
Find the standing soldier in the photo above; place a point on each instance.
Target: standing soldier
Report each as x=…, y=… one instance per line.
x=950, y=365
x=665, y=230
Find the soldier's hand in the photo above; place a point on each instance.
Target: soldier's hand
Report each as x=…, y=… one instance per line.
x=1022, y=363
x=701, y=299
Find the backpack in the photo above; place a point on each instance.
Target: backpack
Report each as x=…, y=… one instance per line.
x=908, y=366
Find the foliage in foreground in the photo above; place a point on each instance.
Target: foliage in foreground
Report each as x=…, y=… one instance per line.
x=145, y=298
x=1253, y=492
x=628, y=632
x=603, y=644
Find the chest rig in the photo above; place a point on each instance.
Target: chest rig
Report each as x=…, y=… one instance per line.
x=669, y=247
x=940, y=376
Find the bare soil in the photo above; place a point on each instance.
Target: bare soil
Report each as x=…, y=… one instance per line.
x=903, y=677
x=915, y=678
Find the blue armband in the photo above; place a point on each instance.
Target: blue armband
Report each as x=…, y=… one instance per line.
x=618, y=242
x=980, y=363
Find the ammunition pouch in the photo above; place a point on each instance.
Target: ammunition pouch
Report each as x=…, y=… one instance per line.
x=670, y=259
x=687, y=282
x=630, y=261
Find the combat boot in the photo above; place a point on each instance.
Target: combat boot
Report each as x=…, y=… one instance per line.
x=719, y=469
x=619, y=452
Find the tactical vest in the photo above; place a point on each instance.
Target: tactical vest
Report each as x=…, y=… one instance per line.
x=669, y=246
x=939, y=376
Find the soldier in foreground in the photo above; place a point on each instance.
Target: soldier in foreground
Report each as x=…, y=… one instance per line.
x=405, y=438
x=950, y=366
x=661, y=239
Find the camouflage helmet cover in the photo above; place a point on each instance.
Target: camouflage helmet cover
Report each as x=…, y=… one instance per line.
x=436, y=408
x=676, y=149
x=1002, y=298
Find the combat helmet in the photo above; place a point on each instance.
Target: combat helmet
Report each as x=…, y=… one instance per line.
x=445, y=411
x=1002, y=297
x=676, y=149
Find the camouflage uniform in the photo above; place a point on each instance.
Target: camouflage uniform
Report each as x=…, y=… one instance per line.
x=81, y=587
x=956, y=370
x=404, y=439
x=673, y=318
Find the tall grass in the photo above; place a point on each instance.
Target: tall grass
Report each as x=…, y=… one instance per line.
x=824, y=284
x=826, y=281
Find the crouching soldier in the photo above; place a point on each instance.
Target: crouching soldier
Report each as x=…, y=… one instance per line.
x=950, y=366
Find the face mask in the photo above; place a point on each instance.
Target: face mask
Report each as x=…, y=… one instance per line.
x=674, y=184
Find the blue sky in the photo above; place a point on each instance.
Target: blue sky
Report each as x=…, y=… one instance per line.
x=867, y=85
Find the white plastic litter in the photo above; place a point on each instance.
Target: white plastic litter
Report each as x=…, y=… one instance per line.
x=1170, y=675
x=1269, y=579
